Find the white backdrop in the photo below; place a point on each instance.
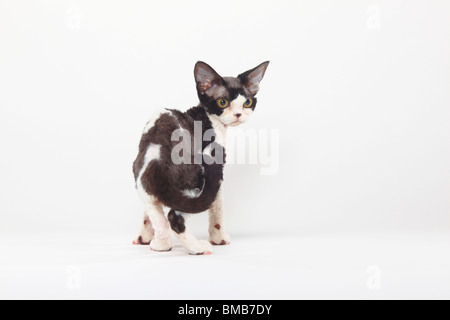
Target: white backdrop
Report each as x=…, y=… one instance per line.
x=359, y=91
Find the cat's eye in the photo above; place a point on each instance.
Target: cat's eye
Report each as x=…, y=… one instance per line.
x=222, y=103
x=248, y=103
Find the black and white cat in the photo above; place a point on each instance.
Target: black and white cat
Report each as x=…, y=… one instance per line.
x=193, y=185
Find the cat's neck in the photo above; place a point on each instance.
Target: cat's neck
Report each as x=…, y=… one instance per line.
x=219, y=128
x=199, y=113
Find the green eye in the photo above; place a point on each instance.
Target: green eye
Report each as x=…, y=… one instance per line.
x=248, y=103
x=222, y=103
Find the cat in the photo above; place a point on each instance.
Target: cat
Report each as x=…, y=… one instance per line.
x=195, y=184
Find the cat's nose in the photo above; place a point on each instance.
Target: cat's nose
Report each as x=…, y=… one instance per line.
x=238, y=115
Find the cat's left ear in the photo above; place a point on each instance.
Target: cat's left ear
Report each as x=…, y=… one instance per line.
x=253, y=77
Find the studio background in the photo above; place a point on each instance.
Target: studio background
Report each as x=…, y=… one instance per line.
x=358, y=91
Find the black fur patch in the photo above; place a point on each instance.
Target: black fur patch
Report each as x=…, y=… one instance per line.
x=177, y=222
x=141, y=242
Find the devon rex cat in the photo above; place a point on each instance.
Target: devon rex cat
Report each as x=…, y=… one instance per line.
x=186, y=176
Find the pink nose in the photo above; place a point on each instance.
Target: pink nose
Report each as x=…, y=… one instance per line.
x=238, y=115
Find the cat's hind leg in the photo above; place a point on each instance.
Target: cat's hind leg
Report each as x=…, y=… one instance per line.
x=161, y=240
x=157, y=221
x=146, y=233
x=188, y=240
x=154, y=211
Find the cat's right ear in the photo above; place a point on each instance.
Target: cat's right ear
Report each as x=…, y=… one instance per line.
x=206, y=78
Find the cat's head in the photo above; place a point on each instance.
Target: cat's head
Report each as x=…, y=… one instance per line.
x=231, y=99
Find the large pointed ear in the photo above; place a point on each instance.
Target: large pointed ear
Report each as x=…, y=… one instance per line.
x=252, y=78
x=206, y=78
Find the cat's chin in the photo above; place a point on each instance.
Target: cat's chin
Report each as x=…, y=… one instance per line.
x=231, y=124
x=235, y=124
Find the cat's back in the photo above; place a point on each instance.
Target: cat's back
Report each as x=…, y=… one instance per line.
x=186, y=186
x=157, y=133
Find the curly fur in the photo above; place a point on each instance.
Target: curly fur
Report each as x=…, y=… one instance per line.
x=193, y=186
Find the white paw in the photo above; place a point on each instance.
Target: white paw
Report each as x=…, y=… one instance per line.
x=161, y=244
x=219, y=238
x=146, y=234
x=200, y=247
x=193, y=245
x=142, y=240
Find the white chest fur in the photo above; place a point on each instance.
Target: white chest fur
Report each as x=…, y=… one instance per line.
x=219, y=128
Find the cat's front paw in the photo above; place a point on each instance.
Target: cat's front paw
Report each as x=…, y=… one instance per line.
x=201, y=247
x=161, y=245
x=219, y=238
x=146, y=234
x=140, y=241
